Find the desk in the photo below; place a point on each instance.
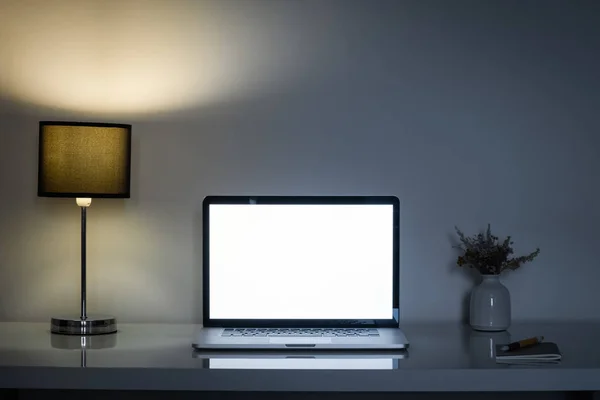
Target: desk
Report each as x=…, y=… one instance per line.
x=442, y=358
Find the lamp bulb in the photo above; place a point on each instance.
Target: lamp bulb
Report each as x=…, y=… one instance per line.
x=83, y=201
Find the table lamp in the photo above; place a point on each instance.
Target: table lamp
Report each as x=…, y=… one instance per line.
x=84, y=161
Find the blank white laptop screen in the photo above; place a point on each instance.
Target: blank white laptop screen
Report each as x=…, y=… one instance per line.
x=296, y=261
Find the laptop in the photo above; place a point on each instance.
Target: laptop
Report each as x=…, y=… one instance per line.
x=300, y=272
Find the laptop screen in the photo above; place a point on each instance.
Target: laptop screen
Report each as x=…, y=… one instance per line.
x=301, y=261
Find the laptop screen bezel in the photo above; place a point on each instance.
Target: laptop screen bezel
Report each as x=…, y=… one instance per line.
x=308, y=323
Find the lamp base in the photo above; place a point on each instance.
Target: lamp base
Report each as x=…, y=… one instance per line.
x=93, y=325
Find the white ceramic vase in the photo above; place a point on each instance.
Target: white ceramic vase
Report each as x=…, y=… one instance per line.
x=490, y=305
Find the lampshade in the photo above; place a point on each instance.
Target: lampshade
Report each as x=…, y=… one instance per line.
x=78, y=159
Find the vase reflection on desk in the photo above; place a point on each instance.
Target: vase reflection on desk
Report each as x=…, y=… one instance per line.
x=482, y=347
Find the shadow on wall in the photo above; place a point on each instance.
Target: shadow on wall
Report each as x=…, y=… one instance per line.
x=474, y=278
x=471, y=275
x=197, y=306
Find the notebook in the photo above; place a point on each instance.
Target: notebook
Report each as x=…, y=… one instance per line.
x=543, y=353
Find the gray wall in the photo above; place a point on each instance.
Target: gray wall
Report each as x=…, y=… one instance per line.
x=470, y=112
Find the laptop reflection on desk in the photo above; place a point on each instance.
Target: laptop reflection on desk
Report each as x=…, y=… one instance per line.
x=297, y=360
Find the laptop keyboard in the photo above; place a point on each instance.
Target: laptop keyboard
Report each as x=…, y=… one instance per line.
x=301, y=332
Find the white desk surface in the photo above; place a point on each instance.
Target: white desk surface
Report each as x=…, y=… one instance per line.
x=441, y=357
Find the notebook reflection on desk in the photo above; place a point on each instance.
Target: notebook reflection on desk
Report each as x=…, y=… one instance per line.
x=301, y=360
x=539, y=354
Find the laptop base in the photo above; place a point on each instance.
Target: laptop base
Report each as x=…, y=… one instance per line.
x=213, y=339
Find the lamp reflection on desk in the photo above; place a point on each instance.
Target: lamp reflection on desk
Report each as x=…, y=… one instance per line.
x=83, y=343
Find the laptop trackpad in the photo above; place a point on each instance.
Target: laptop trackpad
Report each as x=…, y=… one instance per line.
x=299, y=340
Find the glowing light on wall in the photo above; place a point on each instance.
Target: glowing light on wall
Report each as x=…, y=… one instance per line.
x=143, y=56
